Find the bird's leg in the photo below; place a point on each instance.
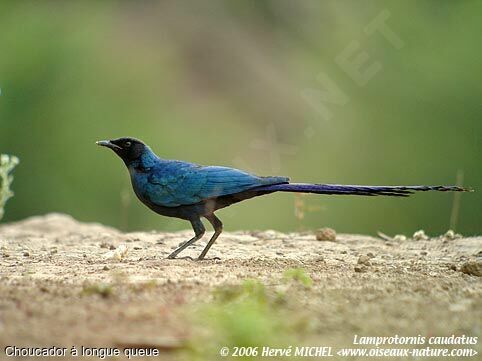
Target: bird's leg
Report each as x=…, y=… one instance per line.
x=218, y=228
x=199, y=230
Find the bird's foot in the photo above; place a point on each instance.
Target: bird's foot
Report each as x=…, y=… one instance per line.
x=208, y=259
x=184, y=257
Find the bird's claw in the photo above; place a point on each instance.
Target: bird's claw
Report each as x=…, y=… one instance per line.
x=208, y=259
x=184, y=257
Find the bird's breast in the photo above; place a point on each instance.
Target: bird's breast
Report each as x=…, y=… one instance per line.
x=140, y=185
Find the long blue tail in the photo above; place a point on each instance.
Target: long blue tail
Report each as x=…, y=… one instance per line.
x=338, y=189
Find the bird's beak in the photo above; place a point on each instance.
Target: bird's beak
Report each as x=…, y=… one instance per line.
x=108, y=144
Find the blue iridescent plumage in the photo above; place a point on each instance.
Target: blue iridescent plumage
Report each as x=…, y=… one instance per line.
x=189, y=191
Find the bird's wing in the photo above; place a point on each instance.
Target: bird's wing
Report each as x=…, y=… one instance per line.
x=179, y=183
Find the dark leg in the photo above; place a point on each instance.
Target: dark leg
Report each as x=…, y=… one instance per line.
x=218, y=228
x=199, y=230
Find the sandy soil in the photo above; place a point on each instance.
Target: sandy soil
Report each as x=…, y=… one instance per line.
x=397, y=287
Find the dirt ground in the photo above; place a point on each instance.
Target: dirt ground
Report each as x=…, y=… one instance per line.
x=53, y=270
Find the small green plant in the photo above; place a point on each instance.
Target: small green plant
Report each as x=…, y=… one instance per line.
x=243, y=315
x=250, y=289
x=299, y=275
x=250, y=315
x=102, y=289
x=7, y=163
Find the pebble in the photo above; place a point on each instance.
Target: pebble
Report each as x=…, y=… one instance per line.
x=325, y=234
x=361, y=269
x=451, y=235
x=364, y=260
x=473, y=268
x=420, y=236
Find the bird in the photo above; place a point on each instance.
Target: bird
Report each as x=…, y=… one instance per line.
x=190, y=191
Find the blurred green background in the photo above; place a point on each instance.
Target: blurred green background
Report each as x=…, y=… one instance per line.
x=237, y=83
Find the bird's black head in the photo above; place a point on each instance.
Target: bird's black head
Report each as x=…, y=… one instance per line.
x=129, y=149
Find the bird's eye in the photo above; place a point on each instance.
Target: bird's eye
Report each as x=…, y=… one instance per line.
x=127, y=144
